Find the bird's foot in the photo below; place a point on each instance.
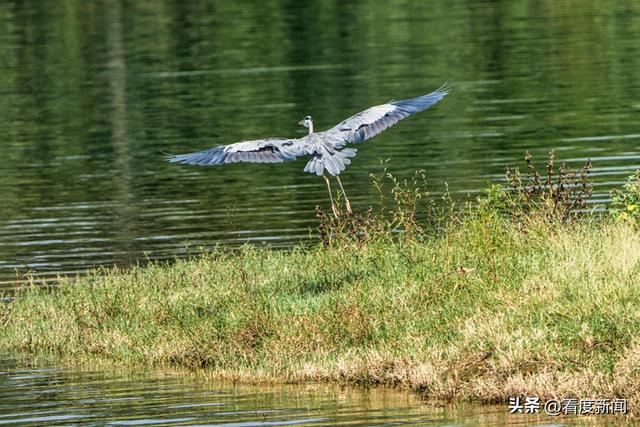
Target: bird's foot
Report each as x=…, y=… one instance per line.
x=335, y=211
x=348, y=205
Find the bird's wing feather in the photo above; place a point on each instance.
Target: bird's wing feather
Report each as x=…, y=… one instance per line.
x=368, y=123
x=274, y=150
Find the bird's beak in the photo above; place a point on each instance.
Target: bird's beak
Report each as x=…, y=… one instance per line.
x=301, y=122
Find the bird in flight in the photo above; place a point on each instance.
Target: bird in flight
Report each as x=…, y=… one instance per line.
x=327, y=149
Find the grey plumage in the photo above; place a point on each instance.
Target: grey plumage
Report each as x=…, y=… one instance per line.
x=326, y=148
x=374, y=120
x=274, y=150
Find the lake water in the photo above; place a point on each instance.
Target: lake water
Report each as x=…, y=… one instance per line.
x=44, y=394
x=93, y=93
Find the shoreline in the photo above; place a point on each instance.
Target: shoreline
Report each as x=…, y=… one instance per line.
x=481, y=312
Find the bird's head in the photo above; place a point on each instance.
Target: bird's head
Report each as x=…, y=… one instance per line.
x=307, y=122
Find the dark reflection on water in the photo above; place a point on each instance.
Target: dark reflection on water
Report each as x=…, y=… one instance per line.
x=92, y=94
x=49, y=395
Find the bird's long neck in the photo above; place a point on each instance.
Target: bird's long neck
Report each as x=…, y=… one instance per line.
x=310, y=128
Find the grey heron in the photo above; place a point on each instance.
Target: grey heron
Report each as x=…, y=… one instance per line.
x=327, y=149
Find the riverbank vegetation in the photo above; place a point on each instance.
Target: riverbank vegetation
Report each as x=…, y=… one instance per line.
x=524, y=291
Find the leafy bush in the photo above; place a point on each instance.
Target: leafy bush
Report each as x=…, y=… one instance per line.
x=625, y=203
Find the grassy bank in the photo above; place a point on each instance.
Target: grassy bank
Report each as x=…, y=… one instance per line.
x=491, y=305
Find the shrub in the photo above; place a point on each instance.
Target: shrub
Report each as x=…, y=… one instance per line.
x=625, y=203
x=559, y=193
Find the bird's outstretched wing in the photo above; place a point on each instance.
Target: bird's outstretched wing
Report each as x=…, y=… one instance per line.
x=368, y=123
x=274, y=150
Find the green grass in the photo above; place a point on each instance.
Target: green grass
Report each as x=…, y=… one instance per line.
x=489, y=306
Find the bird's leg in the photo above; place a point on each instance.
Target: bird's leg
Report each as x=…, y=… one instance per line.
x=333, y=206
x=346, y=199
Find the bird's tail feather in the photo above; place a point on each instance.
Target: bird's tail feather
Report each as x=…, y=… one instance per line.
x=334, y=163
